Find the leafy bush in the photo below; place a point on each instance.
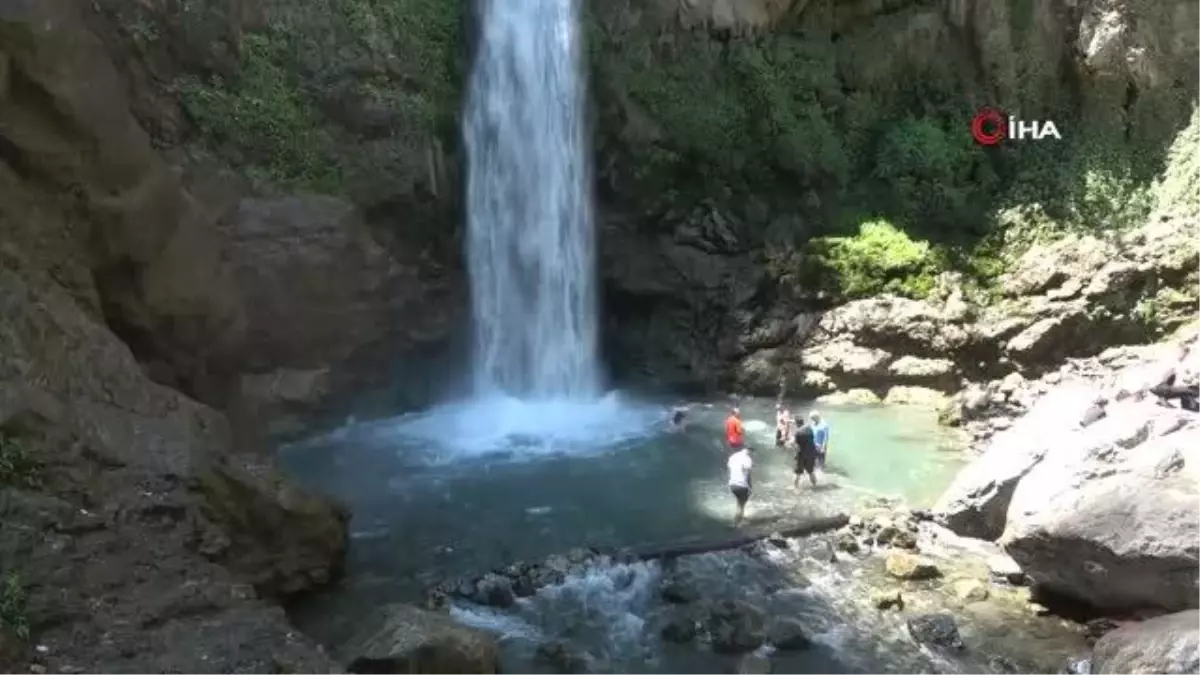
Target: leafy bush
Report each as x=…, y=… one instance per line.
x=14, y=607
x=17, y=466
x=879, y=259
x=927, y=172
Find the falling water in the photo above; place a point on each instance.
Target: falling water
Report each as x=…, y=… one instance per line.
x=529, y=219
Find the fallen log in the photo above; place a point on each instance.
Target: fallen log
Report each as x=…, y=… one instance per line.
x=804, y=528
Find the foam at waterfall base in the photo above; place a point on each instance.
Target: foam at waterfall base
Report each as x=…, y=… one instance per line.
x=501, y=425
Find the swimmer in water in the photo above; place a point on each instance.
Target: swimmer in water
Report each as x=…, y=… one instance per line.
x=678, y=417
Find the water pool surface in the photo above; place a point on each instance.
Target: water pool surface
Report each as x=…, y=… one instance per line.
x=462, y=489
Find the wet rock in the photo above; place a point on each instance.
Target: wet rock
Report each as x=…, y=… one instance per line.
x=788, y=634
x=887, y=599
x=906, y=566
x=906, y=540
x=406, y=639
x=680, y=589
x=1164, y=644
x=563, y=657
x=1000, y=664
x=970, y=590
x=541, y=576
x=435, y=600
x=938, y=630
x=494, y=590
x=680, y=628
x=847, y=542
x=778, y=540
x=1098, y=628
x=735, y=626
x=1004, y=568
x=1078, y=667
x=754, y=664
x=523, y=586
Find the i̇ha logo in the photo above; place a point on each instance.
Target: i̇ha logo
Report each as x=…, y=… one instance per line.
x=989, y=127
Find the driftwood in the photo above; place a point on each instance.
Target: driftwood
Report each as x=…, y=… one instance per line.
x=803, y=528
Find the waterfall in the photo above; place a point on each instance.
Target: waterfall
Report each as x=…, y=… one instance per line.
x=530, y=239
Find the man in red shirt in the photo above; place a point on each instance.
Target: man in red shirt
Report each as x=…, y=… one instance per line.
x=735, y=434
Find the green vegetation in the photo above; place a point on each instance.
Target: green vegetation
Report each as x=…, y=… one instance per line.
x=865, y=137
x=336, y=97
x=262, y=121
x=17, y=466
x=14, y=602
x=879, y=259
x=856, y=130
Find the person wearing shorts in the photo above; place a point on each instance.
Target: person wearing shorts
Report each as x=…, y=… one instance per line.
x=806, y=455
x=739, y=465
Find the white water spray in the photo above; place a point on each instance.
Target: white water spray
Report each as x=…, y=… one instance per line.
x=530, y=234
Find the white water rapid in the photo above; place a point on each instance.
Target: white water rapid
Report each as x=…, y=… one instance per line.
x=530, y=239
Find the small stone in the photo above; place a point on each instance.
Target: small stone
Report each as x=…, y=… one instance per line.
x=846, y=542
x=679, y=629
x=970, y=590
x=906, y=566
x=1004, y=568
x=788, y=634
x=679, y=591
x=777, y=540
x=889, y=599
x=905, y=540
x=939, y=630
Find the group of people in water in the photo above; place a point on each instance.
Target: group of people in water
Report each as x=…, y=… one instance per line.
x=808, y=441
x=806, y=438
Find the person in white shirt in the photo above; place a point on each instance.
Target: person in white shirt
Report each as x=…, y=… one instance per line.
x=739, y=480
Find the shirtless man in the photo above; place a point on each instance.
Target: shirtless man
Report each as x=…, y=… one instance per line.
x=783, y=426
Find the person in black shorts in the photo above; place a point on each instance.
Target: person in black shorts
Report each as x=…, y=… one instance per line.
x=740, y=466
x=806, y=454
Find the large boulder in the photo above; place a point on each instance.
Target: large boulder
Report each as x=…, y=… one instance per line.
x=1165, y=644
x=976, y=503
x=407, y=639
x=1110, y=519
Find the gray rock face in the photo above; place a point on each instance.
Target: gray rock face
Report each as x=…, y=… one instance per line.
x=406, y=639
x=1111, y=519
x=1093, y=490
x=976, y=503
x=1166, y=644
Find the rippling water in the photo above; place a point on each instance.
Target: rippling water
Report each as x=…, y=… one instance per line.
x=611, y=617
x=463, y=488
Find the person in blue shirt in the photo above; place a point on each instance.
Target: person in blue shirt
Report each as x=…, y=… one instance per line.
x=820, y=431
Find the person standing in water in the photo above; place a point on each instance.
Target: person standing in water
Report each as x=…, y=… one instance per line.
x=739, y=465
x=783, y=425
x=735, y=433
x=806, y=454
x=820, y=435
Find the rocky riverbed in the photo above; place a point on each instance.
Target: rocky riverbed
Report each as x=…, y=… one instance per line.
x=888, y=592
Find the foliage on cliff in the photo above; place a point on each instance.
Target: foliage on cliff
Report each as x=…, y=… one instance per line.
x=355, y=98
x=850, y=117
